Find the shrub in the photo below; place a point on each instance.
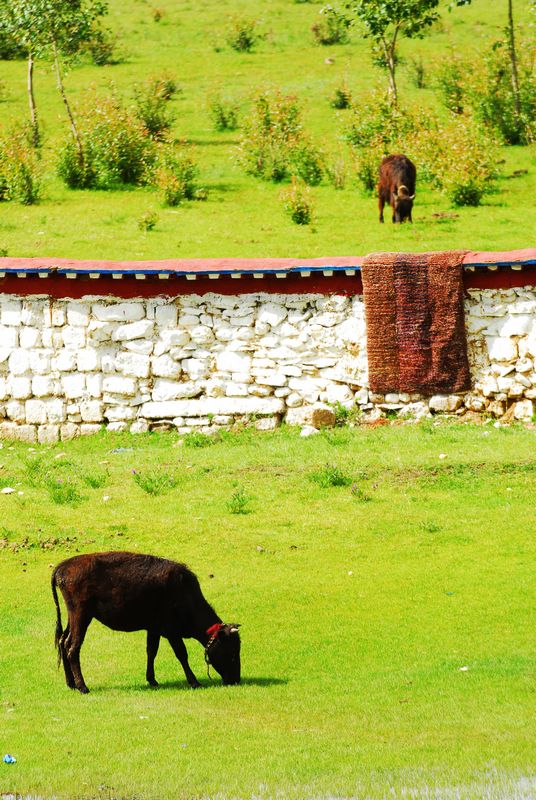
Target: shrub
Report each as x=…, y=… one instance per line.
x=330, y=475
x=336, y=172
x=417, y=72
x=307, y=163
x=332, y=28
x=298, y=204
x=64, y=493
x=117, y=149
x=492, y=98
x=157, y=14
x=155, y=482
x=341, y=98
x=176, y=179
x=19, y=176
x=10, y=49
x=147, y=221
x=224, y=113
x=96, y=479
x=239, y=502
x=242, y=34
x=451, y=79
x=198, y=439
x=101, y=46
x=274, y=146
x=152, y=107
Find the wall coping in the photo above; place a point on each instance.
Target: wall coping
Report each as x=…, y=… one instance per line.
x=58, y=276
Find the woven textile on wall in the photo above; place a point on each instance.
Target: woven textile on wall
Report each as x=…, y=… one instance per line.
x=415, y=318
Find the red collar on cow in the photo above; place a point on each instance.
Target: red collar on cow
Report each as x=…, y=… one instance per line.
x=213, y=631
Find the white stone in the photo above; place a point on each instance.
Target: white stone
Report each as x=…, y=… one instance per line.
x=166, y=316
x=16, y=411
x=140, y=426
x=56, y=410
x=119, y=385
x=196, y=368
x=501, y=348
x=294, y=400
x=11, y=312
x=141, y=346
x=237, y=389
x=21, y=388
x=228, y=361
x=524, y=410
x=308, y=430
x=48, y=434
x=133, y=330
x=338, y=393
x=134, y=365
x=271, y=314
x=272, y=379
x=36, y=412
x=515, y=325
x=19, y=361
x=78, y=314
x=94, y=385
x=172, y=390
x=29, y=337
x=165, y=367
x=73, y=338
x=215, y=387
x=120, y=413
x=117, y=427
x=442, y=402
x=101, y=331
x=119, y=312
x=57, y=317
x=8, y=337
x=212, y=405
x=65, y=361
x=91, y=410
x=69, y=431
x=73, y=385
x=88, y=359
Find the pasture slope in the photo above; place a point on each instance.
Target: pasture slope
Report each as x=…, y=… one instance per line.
x=384, y=579
x=243, y=216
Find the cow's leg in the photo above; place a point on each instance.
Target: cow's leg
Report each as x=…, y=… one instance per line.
x=69, y=677
x=153, y=640
x=381, y=204
x=179, y=649
x=78, y=626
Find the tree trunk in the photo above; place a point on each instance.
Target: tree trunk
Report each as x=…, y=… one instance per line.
x=31, y=99
x=513, y=59
x=389, y=50
x=67, y=106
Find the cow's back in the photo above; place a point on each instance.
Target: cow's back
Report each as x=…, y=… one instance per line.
x=127, y=591
x=397, y=170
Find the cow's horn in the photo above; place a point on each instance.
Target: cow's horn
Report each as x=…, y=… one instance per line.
x=412, y=197
x=402, y=186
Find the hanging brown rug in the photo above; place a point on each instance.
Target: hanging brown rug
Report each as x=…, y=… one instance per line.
x=415, y=318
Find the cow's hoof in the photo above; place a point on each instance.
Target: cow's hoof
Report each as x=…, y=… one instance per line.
x=195, y=685
x=83, y=689
x=153, y=684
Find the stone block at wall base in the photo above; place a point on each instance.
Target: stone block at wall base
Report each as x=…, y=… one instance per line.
x=317, y=416
x=48, y=434
x=22, y=433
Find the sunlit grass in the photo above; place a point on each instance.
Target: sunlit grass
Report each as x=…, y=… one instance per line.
x=386, y=643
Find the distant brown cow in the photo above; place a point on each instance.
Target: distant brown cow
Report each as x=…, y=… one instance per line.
x=132, y=592
x=396, y=186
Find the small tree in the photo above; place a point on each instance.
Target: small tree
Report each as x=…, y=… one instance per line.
x=384, y=21
x=57, y=28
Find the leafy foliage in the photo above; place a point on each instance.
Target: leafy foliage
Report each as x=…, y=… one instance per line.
x=152, y=107
x=223, y=112
x=332, y=28
x=176, y=178
x=242, y=34
x=297, y=203
x=274, y=146
x=19, y=171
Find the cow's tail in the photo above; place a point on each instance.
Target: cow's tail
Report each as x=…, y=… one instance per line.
x=58, y=635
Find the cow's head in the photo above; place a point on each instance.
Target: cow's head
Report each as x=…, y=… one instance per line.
x=402, y=203
x=222, y=651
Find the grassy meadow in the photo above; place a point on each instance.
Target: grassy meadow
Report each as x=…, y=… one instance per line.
x=384, y=579
x=242, y=215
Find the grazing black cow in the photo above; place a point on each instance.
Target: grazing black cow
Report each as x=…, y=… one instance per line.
x=396, y=186
x=132, y=592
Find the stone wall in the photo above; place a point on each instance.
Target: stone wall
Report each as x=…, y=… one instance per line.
x=202, y=361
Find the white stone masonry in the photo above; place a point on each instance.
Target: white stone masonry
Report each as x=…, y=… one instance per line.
x=68, y=367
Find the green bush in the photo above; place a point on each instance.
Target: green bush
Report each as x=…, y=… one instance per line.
x=102, y=47
x=242, y=34
x=332, y=28
x=298, y=204
x=10, y=49
x=176, y=178
x=451, y=80
x=116, y=149
x=492, y=98
x=330, y=475
x=19, y=174
x=152, y=107
x=341, y=98
x=224, y=113
x=274, y=146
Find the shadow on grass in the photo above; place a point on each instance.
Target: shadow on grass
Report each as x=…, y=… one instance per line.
x=182, y=686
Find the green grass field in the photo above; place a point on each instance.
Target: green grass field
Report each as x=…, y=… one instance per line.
x=388, y=624
x=243, y=216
